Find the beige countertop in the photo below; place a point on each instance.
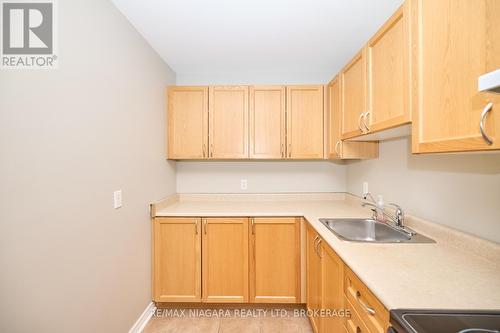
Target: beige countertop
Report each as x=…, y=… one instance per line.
x=457, y=272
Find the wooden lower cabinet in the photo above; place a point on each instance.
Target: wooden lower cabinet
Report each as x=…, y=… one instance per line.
x=176, y=259
x=332, y=287
x=275, y=260
x=367, y=307
x=225, y=260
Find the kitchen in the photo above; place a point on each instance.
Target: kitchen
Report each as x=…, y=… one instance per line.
x=279, y=166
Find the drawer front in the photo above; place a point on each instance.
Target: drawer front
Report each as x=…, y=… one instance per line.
x=368, y=307
x=354, y=324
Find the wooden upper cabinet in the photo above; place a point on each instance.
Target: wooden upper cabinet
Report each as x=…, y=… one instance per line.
x=388, y=88
x=177, y=259
x=353, y=96
x=187, y=122
x=228, y=122
x=305, y=125
x=455, y=41
x=225, y=260
x=267, y=122
x=275, y=260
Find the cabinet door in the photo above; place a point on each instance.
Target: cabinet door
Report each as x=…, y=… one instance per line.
x=228, y=115
x=267, y=122
x=332, y=289
x=455, y=42
x=176, y=259
x=225, y=260
x=389, y=74
x=187, y=122
x=353, y=90
x=305, y=122
x=313, y=274
x=275, y=260
x=334, y=118
x=338, y=149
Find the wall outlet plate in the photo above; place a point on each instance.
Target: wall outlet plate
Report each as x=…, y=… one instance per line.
x=117, y=199
x=243, y=184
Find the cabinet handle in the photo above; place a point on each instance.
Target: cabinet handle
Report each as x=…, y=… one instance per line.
x=205, y=226
x=358, y=330
x=365, y=119
x=486, y=137
x=314, y=242
x=211, y=150
x=204, y=150
x=367, y=308
x=253, y=225
x=290, y=149
x=282, y=150
x=359, y=122
x=318, y=249
x=337, y=145
x=196, y=226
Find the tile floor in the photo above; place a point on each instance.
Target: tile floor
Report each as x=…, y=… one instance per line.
x=280, y=322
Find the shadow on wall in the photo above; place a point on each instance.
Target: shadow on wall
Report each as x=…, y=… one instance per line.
x=486, y=163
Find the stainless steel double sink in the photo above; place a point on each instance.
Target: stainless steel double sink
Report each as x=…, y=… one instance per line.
x=370, y=230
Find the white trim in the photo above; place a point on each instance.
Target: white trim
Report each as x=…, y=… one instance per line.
x=143, y=319
x=489, y=81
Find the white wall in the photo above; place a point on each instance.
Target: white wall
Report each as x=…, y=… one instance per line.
x=458, y=190
x=262, y=176
x=69, y=262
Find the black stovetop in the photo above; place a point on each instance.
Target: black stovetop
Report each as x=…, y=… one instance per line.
x=445, y=321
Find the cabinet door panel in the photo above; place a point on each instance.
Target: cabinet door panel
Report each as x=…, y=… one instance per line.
x=228, y=114
x=275, y=260
x=332, y=289
x=388, y=73
x=267, y=121
x=305, y=126
x=187, y=122
x=176, y=259
x=353, y=82
x=455, y=42
x=313, y=273
x=225, y=260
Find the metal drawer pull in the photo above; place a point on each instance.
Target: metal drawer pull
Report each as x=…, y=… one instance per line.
x=205, y=225
x=196, y=226
x=253, y=226
x=204, y=150
x=486, y=109
x=368, y=309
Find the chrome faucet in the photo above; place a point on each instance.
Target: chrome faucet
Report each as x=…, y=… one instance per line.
x=397, y=218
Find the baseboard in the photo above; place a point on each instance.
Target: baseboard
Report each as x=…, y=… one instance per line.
x=143, y=319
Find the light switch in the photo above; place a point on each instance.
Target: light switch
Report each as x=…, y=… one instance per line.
x=117, y=198
x=244, y=184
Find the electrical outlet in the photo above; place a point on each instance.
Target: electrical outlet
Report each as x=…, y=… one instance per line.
x=243, y=184
x=117, y=199
x=365, y=188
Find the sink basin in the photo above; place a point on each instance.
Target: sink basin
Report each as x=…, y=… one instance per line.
x=369, y=230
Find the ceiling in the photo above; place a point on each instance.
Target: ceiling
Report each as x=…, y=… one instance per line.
x=222, y=37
